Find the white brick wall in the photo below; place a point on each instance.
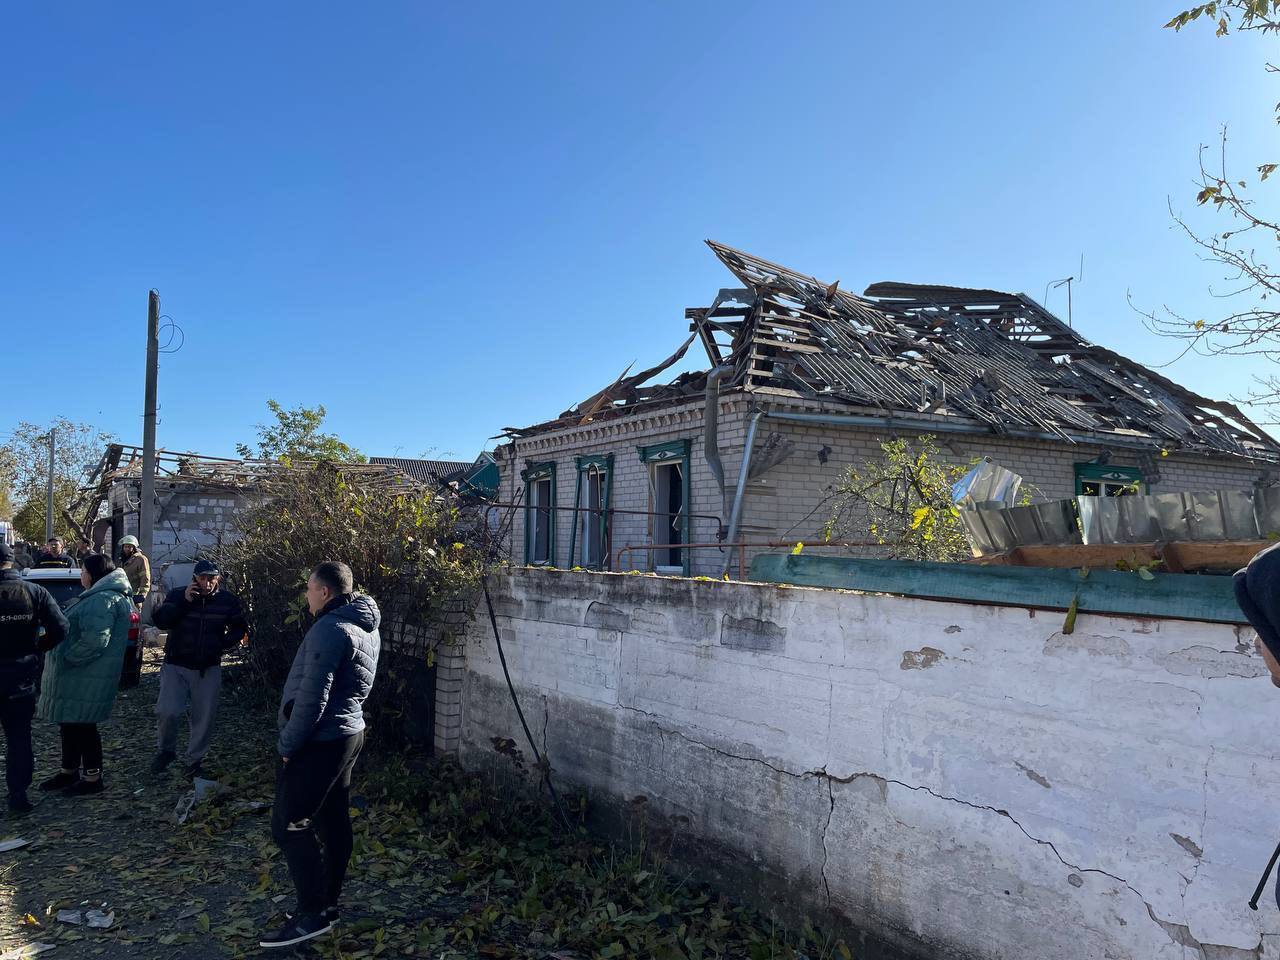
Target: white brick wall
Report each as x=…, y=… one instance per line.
x=960, y=779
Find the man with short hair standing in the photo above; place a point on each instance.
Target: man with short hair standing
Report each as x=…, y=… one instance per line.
x=204, y=622
x=54, y=554
x=321, y=732
x=24, y=608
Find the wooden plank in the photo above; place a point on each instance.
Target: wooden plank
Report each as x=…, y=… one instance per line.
x=1215, y=555
x=1179, y=557
x=1166, y=595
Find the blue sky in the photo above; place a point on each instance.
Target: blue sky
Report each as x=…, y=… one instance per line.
x=438, y=220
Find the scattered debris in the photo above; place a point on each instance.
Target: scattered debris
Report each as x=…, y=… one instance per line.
x=14, y=844
x=26, y=950
x=201, y=791
x=98, y=918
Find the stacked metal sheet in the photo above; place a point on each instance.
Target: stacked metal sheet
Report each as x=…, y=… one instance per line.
x=995, y=523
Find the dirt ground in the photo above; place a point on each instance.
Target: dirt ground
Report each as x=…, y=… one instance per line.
x=446, y=865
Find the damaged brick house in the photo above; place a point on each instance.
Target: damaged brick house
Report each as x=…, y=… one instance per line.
x=806, y=379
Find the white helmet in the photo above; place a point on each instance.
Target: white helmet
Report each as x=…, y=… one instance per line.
x=130, y=541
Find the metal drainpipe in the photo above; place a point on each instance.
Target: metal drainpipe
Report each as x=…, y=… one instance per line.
x=745, y=468
x=711, y=428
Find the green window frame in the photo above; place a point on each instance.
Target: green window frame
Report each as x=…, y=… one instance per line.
x=602, y=465
x=1095, y=479
x=674, y=451
x=536, y=473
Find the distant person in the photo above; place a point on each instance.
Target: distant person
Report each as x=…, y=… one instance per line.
x=83, y=549
x=54, y=554
x=24, y=556
x=204, y=622
x=321, y=725
x=82, y=675
x=137, y=568
x=24, y=609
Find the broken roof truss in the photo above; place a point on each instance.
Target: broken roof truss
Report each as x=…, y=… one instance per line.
x=999, y=359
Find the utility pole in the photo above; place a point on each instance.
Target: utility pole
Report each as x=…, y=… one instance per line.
x=146, y=509
x=48, y=506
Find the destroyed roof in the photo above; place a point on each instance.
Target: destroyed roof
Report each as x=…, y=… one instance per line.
x=433, y=472
x=193, y=471
x=906, y=349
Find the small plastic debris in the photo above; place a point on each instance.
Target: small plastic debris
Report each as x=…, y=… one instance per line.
x=201, y=790
x=26, y=950
x=251, y=806
x=13, y=844
x=278, y=897
x=73, y=917
x=100, y=920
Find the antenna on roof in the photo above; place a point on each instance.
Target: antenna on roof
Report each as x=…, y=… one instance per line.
x=1065, y=281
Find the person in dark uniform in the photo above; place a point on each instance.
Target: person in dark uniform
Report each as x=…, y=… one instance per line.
x=54, y=554
x=24, y=609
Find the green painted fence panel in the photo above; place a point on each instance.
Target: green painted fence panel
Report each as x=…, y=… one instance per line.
x=1175, y=595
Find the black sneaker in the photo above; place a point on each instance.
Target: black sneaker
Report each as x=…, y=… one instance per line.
x=329, y=914
x=193, y=770
x=84, y=788
x=59, y=781
x=162, y=760
x=18, y=803
x=298, y=930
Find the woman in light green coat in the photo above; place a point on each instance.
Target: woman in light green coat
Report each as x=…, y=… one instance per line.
x=82, y=674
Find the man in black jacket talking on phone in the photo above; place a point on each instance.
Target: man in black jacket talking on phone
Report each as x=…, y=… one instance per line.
x=204, y=621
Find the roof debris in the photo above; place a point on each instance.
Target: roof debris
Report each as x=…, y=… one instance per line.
x=193, y=471
x=999, y=359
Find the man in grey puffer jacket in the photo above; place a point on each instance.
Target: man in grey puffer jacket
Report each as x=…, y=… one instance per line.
x=321, y=732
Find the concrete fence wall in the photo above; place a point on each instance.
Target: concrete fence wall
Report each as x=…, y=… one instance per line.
x=956, y=780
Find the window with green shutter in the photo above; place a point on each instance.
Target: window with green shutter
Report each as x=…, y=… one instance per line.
x=1105, y=480
x=539, y=515
x=589, y=542
x=668, y=467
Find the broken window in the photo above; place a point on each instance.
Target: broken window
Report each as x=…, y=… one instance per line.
x=668, y=466
x=589, y=545
x=540, y=515
x=1104, y=480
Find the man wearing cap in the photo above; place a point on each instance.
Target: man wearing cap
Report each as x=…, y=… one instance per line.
x=137, y=568
x=24, y=608
x=204, y=622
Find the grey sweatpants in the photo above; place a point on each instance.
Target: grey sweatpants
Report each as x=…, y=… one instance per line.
x=180, y=687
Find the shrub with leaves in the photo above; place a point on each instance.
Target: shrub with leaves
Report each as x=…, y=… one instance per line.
x=902, y=500
x=413, y=552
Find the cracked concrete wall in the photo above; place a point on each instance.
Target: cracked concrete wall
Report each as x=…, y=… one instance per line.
x=957, y=780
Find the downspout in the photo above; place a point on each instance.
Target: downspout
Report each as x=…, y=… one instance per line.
x=711, y=431
x=743, y=469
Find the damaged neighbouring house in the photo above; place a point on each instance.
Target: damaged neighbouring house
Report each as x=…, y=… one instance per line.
x=805, y=379
x=198, y=499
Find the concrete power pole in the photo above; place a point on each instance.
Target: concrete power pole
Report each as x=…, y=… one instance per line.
x=48, y=505
x=146, y=509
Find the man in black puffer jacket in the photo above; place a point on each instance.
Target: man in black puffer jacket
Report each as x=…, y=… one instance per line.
x=204, y=622
x=321, y=723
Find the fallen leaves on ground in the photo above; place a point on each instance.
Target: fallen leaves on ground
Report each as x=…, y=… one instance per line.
x=446, y=865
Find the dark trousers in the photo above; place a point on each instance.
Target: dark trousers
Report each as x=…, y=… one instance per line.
x=310, y=821
x=19, y=761
x=81, y=746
